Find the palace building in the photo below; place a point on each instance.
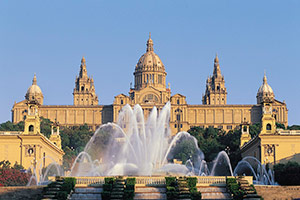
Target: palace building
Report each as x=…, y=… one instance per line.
x=30, y=148
x=150, y=90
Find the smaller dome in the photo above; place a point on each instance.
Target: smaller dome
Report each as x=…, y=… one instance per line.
x=265, y=88
x=34, y=91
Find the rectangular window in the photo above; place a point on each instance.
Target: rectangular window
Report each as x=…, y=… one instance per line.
x=220, y=127
x=159, y=79
x=229, y=127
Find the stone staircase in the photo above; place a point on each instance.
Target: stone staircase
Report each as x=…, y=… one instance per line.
x=52, y=190
x=250, y=193
x=184, y=192
x=86, y=193
x=150, y=192
x=214, y=192
x=118, y=188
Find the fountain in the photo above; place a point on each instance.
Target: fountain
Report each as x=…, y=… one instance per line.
x=133, y=147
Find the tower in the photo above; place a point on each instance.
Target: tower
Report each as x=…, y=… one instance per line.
x=215, y=93
x=245, y=137
x=84, y=91
x=55, y=137
x=150, y=70
x=268, y=122
x=32, y=121
x=265, y=92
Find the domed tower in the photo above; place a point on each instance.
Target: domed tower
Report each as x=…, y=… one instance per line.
x=34, y=92
x=215, y=93
x=84, y=91
x=265, y=92
x=149, y=70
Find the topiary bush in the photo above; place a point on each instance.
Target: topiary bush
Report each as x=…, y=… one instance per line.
x=287, y=174
x=192, y=183
x=107, y=188
x=129, y=189
x=234, y=188
x=172, y=188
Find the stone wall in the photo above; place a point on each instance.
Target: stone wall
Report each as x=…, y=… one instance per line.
x=21, y=192
x=278, y=192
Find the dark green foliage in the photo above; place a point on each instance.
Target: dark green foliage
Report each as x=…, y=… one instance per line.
x=279, y=125
x=62, y=195
x=109, y=180
x=129, y=189
x=69, y=184
x=254, y=129
x=233, y=186
x=184, y=150
x=46, y=126
x=171, y=186
x=287, y=174
x=107, y=187
x=130, y=181
x=294, y=127
x=9, y=126
x=105, y=195
x=211, y=141
x=192, y=183
x=171, y=181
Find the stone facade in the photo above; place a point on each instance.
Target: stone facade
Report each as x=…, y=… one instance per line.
x=31, y=148
x=271, y=145
x=150, y=90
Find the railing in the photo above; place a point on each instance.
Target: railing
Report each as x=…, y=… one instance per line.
x=89, y=180
x=150, y=180
x=157, y=180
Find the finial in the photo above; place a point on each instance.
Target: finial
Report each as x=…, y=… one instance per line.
x=265, y=77
x=34, y=80
x=83, y=60
x=216, y=58
x=149, y=43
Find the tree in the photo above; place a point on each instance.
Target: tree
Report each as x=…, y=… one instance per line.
x=254, y=129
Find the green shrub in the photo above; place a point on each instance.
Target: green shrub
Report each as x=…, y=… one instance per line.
x=130, y=181
x=105, y=195
x=109, y=180
x=69, y=184
x=172, y=195
x=128, y=194
x=171, y=181
x=171, y=189
x=107, y=187
x=196, y=195
x=62, y=195
x=192, y=182
x=287, y=174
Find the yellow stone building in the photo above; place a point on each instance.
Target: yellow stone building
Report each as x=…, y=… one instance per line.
x=30, y=148
x=271, y=145
x=150, y=90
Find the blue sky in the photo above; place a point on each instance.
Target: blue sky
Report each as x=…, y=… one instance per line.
x=50, y=37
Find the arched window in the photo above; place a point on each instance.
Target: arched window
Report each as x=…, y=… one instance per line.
x=122, y=101
x=269, y=127
x=245, y=128
x=31, y=128
x=82, y=88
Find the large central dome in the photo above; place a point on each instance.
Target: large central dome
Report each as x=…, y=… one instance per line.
x=149, y=69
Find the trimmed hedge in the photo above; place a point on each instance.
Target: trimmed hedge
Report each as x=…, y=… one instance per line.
x=172, y=189
x=107, y=188
x=234, y=188
x=129, y=189
x=287, y=174
x=192, y=182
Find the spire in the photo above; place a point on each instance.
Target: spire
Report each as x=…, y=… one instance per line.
x=149, y=43
x=216, y=58
x=83, y=61
x=217, y=70
x=34, y=80
x=265, y=78
x=83, y=72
